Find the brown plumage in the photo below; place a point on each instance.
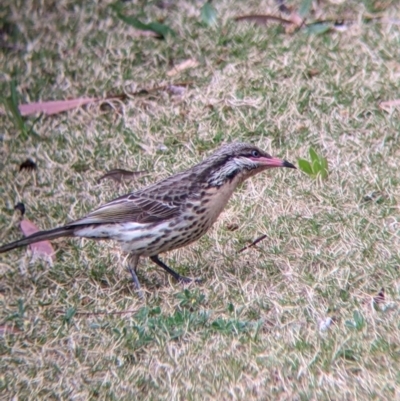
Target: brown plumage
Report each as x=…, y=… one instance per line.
x=171, y=213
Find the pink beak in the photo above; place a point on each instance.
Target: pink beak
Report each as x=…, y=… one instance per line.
x=273, y=162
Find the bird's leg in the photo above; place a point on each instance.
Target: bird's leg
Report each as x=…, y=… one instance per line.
x=173, y=273
x=133, y=261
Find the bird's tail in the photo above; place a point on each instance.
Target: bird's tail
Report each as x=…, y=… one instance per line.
x=66, y=231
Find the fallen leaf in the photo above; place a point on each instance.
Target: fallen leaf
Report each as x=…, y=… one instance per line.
x=28, y=164
x=232, y=226
x=387, y=106
x=312, y=73
x=255, y=242
x=118, y=174
x=54, y=107
x=6, y=329
x=58, y=106
x=296, y=20
x=190, y=63
x=42, y=248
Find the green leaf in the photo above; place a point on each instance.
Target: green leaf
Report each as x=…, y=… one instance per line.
x=324, y=163
x=323, y=174
x=208, y=14
x=318, y=29
x=313, y=155
x=305, y=166
x=305, y=8
x=160, y=29
x=316, y=167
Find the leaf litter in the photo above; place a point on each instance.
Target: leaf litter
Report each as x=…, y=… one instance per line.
x=41, y=249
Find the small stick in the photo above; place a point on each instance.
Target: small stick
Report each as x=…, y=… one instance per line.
x=255, y=242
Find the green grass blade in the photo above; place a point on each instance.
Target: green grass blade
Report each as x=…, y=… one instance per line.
x=11, y=105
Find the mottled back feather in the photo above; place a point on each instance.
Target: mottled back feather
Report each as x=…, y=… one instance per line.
x=164, y=199
x=130, y=208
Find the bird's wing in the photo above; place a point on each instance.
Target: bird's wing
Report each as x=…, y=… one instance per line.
x=130, y=208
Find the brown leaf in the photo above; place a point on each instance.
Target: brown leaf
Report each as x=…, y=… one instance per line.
x=42, y=248
x=7, y=329
x=28, y=164
x=118, y=174
x=255, y=242
x=232, y=226
x=312, y=73
x=54, y=106
x=58, y=106
x=190, y=63
x=387, y=106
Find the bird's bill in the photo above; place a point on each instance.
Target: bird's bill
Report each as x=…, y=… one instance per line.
x=274, y=162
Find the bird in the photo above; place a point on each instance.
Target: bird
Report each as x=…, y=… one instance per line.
x=169, y=214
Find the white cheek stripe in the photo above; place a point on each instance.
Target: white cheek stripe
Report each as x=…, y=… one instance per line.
x=237, y=164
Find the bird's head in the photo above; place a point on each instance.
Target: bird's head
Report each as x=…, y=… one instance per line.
x=240, y=161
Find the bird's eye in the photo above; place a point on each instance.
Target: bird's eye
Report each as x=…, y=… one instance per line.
x=255, y=153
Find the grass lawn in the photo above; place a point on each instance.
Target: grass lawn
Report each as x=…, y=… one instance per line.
x=300, y=316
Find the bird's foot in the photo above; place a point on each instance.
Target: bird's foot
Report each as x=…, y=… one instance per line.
x=173, y=273
x=136, y=283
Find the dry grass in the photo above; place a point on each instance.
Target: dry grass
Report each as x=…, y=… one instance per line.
x=253, y=329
